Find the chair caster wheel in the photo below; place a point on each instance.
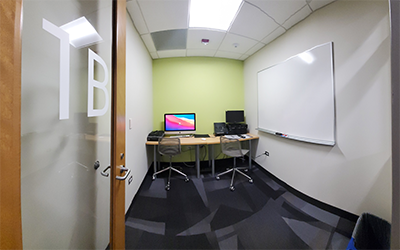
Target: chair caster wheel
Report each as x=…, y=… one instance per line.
x=251, y=180
x=217, y=177
x=187, y=179
x=232, y=188
x=154, y=177
x=167, y=187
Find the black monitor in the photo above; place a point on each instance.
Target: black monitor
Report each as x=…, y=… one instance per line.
x=234, y=116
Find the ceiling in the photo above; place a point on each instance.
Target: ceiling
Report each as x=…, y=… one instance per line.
x=163, y=27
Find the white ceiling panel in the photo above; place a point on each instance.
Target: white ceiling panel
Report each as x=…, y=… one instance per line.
x=148, y=41
x=137, y=17
x=165, y=15
x=244, y=43
x=243, y=57
x=154, y=55
x=257, y=23
x=280, y=10
x=276, y=33
x=200, y=52
x=300, y=15
x=251, y=16
x=316, y=4
x=172, y=53
x=255, y=48
x=195, y=36
x=227, y=54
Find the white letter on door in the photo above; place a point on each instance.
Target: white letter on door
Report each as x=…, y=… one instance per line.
x=64, y=66
x=93, y=83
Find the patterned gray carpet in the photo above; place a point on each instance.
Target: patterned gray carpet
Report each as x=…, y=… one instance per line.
x=204, y=214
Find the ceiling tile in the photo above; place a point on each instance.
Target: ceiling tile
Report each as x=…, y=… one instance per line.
x=255, y=48
x=170, y=39
x=244, y=44
x=172, y=53
x=316, y=4
x=243, y=57
x=280, y=10
x=300, y=15
x=253, y=23
x=276, y=33
x=200, y=52
x=154, y=55
x=195, y=36
x=227, y=54
x=165, y=15
x=149, y=43
x=137, y=17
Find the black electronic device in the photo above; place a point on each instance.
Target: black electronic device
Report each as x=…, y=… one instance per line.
x=234, y=116
x=155, y=135
x=236, y=128
x=201, y=135
x=220, y=128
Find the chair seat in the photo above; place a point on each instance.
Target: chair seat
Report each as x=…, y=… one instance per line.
x=236, y=152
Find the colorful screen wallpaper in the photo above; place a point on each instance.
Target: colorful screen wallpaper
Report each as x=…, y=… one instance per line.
x=180, y=122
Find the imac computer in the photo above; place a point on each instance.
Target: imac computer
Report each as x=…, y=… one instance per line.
x=180, y=123
x=234, y=116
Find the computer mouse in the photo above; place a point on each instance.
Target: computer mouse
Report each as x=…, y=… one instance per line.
x=203, y=139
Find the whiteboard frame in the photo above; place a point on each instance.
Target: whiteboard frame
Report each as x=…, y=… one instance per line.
x=298, y=138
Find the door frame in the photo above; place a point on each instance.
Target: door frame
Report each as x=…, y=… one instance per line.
x=10, y=124
x=117, y=204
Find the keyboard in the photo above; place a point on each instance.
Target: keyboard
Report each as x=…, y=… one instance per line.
x=180, y=136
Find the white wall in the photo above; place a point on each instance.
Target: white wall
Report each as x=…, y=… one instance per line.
x=139, y=108
x=355, y=174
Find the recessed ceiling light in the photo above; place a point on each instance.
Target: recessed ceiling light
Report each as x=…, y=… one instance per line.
x=213, y=14
x=81, y=33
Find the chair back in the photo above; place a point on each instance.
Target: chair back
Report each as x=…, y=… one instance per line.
x=169, y=146
x=231, y=147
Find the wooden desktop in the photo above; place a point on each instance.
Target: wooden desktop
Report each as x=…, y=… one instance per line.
x=197, y=142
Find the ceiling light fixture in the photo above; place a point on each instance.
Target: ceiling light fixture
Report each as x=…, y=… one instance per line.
x=81, y=33
x=213, y=14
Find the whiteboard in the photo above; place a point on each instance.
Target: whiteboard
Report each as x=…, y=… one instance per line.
x=296, y=98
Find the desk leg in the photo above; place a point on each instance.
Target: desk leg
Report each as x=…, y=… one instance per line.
x=211, y=150
x=249, y=154
x=155, y=158
x=197, y=153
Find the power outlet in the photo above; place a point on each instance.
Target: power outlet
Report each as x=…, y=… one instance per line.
x=266, y=153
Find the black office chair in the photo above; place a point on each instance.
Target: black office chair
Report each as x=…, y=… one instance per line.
x=232, y=147
x=170, y=147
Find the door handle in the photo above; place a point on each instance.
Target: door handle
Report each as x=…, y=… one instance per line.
x=104, y=172
x=127, y=170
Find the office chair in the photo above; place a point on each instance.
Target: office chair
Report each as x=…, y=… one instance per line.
x=231, y=147
x=170, y=147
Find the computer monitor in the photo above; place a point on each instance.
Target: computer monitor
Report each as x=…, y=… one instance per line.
x=180, y=123
x=234, y=116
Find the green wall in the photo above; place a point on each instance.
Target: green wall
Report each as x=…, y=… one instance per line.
x=203, y=85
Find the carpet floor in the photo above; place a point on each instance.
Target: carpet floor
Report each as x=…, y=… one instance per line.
x=204, y=214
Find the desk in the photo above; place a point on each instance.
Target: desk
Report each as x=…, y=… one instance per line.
x=197, y=142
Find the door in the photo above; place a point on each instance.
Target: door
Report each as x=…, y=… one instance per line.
x=66, y=126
